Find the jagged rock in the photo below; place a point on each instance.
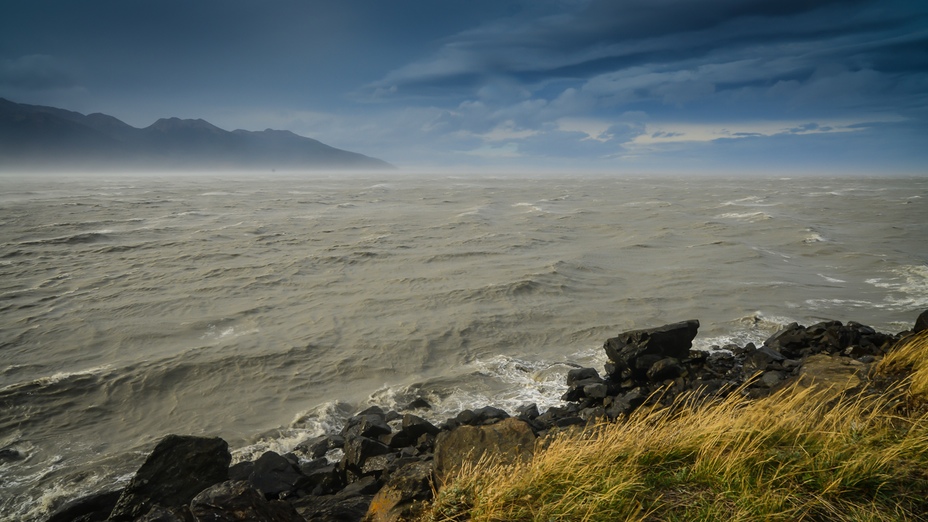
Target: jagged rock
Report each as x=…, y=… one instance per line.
x=508, y=441
x=415, y=426
x=358, y=450
x=275, y=476
x=761, y=359
x=404, y=494
x=633, y=353
x=322, y=478
x=333, y=508
x=595, y=391
x=92, y=508
x=176, y=470
x=234, y=501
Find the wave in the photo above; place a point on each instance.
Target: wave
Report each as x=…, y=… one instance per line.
x=72, y=239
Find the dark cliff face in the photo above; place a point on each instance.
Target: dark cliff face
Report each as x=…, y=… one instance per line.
x=37, y=137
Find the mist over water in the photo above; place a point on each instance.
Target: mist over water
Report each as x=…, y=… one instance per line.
x=267, y=309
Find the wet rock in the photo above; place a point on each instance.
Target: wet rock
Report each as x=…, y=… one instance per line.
x=176, y=470
x=416, y=426
x=318, y=446
x=508, y=441
x=358, y=450
x=582, y=374
x=235, y=501
x=275, y=476
x=333, y=508
x=404, y=495
x=322, y=478
x=596, y=391
x=91, y=508
x=633, y=353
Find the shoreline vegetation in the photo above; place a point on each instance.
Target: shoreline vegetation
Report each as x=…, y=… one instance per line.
x=821, y=422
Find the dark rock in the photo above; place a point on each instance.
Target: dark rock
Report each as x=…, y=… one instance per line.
x=626, y=403
x=761, y=359
x=92, y=508
x=636, y=350
x=789, y=341
x=573, y=394
x=581, y=374
x=235, y=501
x=489, y=415
x=275, y=476
x=242, y=470
x=323, y=479
x=163, y=514
x=416, y=426
x=315, y=447
x=176, y=470
x=333, y=508
x=596, y=391
x=404, y=494
x=358, y=450
x=378, y=464
x=362, y=486
x=666, y=368
x=921, y=323
x=508, y=441
x=528, y=411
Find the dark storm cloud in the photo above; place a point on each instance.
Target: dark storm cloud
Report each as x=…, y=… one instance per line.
x=605, y=36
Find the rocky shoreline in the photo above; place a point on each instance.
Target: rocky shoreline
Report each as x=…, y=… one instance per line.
x=386, y=465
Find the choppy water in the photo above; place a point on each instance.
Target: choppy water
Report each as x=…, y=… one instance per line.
x=266, y=310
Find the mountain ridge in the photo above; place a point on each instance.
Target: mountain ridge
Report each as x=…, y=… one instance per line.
x=38, y=137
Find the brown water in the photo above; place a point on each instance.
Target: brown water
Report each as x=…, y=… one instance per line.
x=266, y=309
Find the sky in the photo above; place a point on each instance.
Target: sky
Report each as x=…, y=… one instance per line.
x=630, y=86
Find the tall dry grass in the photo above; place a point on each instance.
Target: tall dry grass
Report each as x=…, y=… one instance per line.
x=801, y=454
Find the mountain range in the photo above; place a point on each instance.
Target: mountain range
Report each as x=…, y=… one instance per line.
x=35, y=137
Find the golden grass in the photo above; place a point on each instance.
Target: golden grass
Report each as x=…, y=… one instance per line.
x=796, y=455
x=909, y=357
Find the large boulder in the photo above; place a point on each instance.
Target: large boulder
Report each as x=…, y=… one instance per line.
x=633, y=353
x=177, y=470
x=275, y=476
x=506, y=442
x=235, y=501
x=838, y=374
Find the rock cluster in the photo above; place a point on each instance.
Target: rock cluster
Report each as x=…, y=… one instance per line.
x=385, y=465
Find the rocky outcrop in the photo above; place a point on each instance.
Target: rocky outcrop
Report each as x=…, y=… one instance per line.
x=177, y=470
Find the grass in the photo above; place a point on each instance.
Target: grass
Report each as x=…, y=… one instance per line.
x=801, y=454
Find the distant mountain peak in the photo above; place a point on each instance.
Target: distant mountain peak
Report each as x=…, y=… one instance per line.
x=38, y=137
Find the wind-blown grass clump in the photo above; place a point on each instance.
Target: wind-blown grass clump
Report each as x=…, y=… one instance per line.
x=800, y=454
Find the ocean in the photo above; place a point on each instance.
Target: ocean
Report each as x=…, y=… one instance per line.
x=266, y=309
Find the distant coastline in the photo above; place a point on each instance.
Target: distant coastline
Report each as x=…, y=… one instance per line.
x=35, y=137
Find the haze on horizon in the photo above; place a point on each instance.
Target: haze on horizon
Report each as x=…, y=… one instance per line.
x=719, y=86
